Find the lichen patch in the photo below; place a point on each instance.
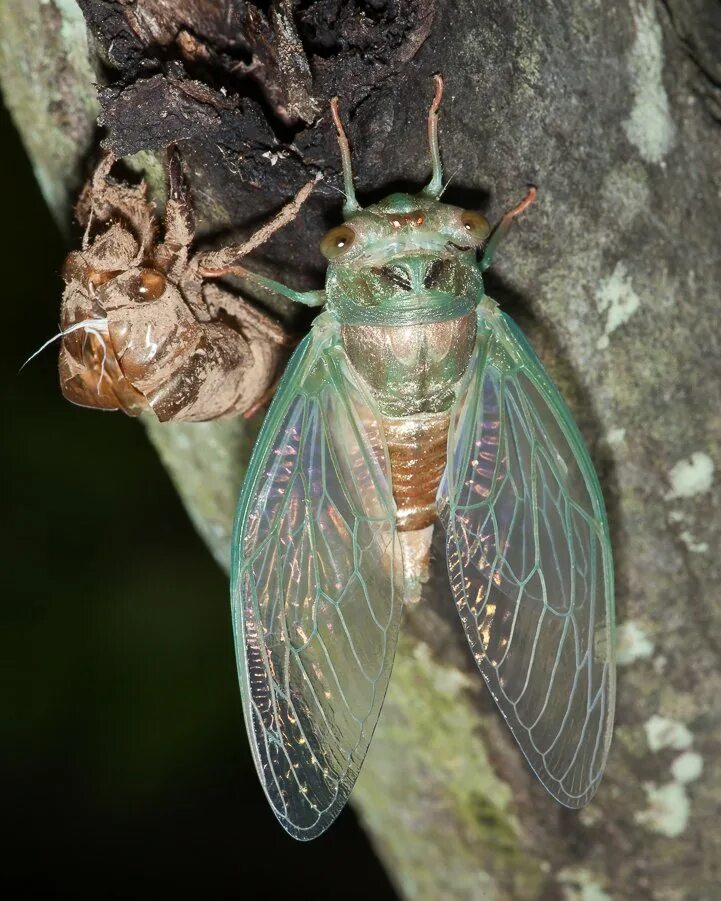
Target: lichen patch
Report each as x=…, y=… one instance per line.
x=626, y=192
x=687, y=767
x=668, y=809
x=634, y=643
x=649, y=126
x=618, y=300
x=691, y=476
x=696, y=547
x=665, y=733
x=579, y=884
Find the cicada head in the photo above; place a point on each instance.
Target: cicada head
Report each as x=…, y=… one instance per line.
x=408, y=259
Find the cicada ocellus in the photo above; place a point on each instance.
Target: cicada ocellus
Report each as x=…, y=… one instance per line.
x=414, y=399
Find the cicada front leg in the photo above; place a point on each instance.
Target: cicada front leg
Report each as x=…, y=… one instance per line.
x=218, y=263
x=173, y=252
x=141, y=331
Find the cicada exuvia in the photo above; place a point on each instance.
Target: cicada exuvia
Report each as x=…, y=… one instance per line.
x=414, y=399
x=142, y=330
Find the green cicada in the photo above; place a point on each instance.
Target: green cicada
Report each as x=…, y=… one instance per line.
x=414, y=398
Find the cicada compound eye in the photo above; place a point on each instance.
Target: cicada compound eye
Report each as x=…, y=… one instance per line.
x=475, y=225
x=148, y=284
x=338, y=241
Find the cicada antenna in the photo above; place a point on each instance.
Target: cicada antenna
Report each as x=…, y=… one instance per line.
x=503, y=227
x=435, y=185
x=351, y=204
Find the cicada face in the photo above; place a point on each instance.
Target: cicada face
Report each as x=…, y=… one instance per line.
x=407, y=260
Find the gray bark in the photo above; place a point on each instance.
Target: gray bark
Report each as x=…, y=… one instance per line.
x=613, y=111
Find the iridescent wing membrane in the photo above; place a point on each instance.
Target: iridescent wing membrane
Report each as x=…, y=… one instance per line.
x=529, y=560
x=317, y=589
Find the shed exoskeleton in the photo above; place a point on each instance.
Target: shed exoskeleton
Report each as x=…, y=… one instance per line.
x=142, y=329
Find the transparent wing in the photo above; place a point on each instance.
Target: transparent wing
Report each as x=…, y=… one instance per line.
x=529, y=560
x=316, y=585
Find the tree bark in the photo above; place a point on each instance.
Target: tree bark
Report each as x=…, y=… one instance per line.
x=613, y=112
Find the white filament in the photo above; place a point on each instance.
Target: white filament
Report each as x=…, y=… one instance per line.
x=100, y=338
x=90, y=325
x=443, y=189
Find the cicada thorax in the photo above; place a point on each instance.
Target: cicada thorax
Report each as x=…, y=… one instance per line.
x=413, y=372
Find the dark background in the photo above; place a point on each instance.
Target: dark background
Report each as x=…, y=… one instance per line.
x=126, y=771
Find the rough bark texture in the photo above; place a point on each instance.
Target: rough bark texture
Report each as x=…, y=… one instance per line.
x=613, y=111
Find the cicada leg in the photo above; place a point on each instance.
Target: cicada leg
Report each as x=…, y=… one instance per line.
x=307, y=298
x=171, y=256
x=86, y=210
x=501, y=230
x=104, y=204
x=217, y=263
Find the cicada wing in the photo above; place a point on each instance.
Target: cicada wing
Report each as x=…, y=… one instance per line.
x=529, y=560
x=316, y=585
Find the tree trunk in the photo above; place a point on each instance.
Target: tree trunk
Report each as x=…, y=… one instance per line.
x=613, y=111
